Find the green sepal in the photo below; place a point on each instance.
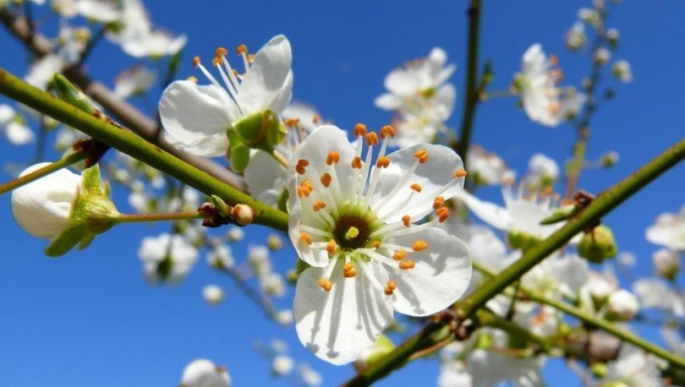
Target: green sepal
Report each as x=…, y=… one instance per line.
x=66, y=241
x=262, y=130
x=560, y=215
x=91, y=180
x=301, y=266
x=72, y=95
x=381, y=347
x=86, y=241
x=598, y=245
x=238, y=151
x=223, y=208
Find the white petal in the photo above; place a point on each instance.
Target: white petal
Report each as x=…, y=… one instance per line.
x=265, y=178
x=445, y=99
x=441, y=275
x=337, y=325
x=433, y=176
x=196, y=118
x=388, y=101
x=19, y=134
x=402, y=82
x=492, y=214
x=42, y=207
x=6, y=114
x=204, y=373
x=268, y=82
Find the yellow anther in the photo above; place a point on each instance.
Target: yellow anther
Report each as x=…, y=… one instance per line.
x=406, y=265
x=386, y=131
x=325, y=284
x=371, y=139
x=383, y=162
x=305, y=189
x=376, y=244
x=357, y=162
x=421, y=155
x=292, y=122
x=348, y=266
x=242, y=49
x=306, y=238
x=406, y=220
x=326, y=179
x=333, y=157
x=359, y=130
x=390, y=287
x=192, y=79
x=301, y=165
x=351, y=233
x=416, y=187
x=399, y=255
x=318, y=205
x=443, y=213
x=236, y=73
x=438, y=202
x=350, y=274
x=250, y=58
x=332, y=247
x=459, y=173
x=220, y=51
x=419, y=245
x=196, y=61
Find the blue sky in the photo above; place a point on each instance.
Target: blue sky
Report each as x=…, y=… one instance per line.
x=89, y=318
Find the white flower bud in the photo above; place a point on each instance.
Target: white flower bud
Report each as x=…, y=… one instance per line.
x=243, y=214
x=622, y=71
x=544, y=170
x=203, y=373
x=213, y=294
x=42, y=207
x=282, y=365
x=599, y=289
x=601, y=55
x=235, y=234
x=285, y=317
x=666, y=263
x=622, y=306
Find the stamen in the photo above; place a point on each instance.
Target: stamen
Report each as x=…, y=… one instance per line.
x=292, y=122
x=316, y=119
x=332, y=247
x=348, y=270
x=383, y=162
x=421, y=155
x=319, y=205
x=359, y=130
x=390, y=287
x=406, y=220
x=301, y=165
x=416, y=187
x=386, y=131
x=438, y=202
x=399, y=255
x=376, y=244
x=306, y=238
x=357, y=162
x=459, y=173
x=443, y=213
x=220, y=52
x=419, y=245
x=326, y=179
x=406, y=265
x=371, y=139
x=325, y=284
x=241, y=50
x=333, y=157
x=305, y=189
x=196, y=61
x=250, y=58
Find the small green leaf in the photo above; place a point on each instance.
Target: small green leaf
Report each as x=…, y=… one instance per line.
x=66, y=241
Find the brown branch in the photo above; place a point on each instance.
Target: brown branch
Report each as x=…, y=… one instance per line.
x=124, y=112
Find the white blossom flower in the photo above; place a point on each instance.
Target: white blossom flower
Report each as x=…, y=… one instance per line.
x=196, y=118
x=282, y=365
x=633, y=368
x=220, y=256
x=454, y=374
x=65, y=8
x=486, y=168
x=669, y=230
x=621, y=70
x=44, y=69
x=601, y=55
x=12, y=126
x=155, y=43
x=273, y=284
x=655, y=293
x=284, y=317
x=259, y=258
x=204, y=373
x=575, y=37
x=72, y=41
x=134, y=22
x=353, y=222
x=167, y=257
x=309, y=376
x=543, y=171
x=134, y=81
x=213, y=294
x=43, y=207
x=235, y=234
x=558, y=275
x=103, y=11
x=424, y=123
x=537, y=86
x=666, y=263
x=622, y=305
x=307, y=117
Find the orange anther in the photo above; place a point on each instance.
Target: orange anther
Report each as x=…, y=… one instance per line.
x=386, y=131
x=350, y=274
x=332, y=247
x=357, y=162
x=305, y=189
x=326, y=179
x=292, y=122
x=316, y=119
x=333, y=157
x=399, y=255
x=306, y=238
x=383, y=162
x=390, y=287
x=325, y=284
x=242, y=49
x=406, y=265
x=416, y=187
x=438, y=202
x=460, y=173
x=348, y=266
x=217, y=61
x=376, y=244
x=421, y=155
x=250, y=58
x=359, y=130
x=443, y=213
x=371, y=139
x=301, y=165
x=419, y=245
x=318, y=205
x=406, y=220
x=220, y=51
x=196, y=61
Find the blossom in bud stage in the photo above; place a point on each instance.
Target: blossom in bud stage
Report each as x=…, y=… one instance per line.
x=243, y=214
x=307, y=117
x=669, y=230
x=537, y=85
x=357, y=225
x=282, y=365
x=575, y=37
x=601, y=55
x=12, y=125
x=235, y=234
x=284, y=317
x=486, y=168
x=167, y=257
x=204, y=373
x=133, y=82
x=621, y=70
x=213, y=294
x=666, y=263
x=543, y=171
x=274, y=242
x=622, y=306
x=67, y=208
x=197, y=118
x=309, y=376
x=220, y=256
x=612, y=37
x=589, y=16
x=598, y=244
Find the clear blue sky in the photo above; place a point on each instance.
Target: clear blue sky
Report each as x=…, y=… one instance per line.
x=89, y=319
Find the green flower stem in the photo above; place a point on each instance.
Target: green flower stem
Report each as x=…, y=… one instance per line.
x=140, y=218
x=600, y=206
x=488, y=318
x=138, y=148
x=471, y=94
x=48, y=169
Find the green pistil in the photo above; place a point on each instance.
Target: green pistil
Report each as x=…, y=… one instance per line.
x=351, y=233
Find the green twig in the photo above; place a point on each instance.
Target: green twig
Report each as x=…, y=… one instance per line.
x=141, y=218
x=138, y=148
x=48, y=169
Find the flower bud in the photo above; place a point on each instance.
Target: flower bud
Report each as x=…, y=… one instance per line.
x=599, y=370
x=374, y=353
x=598, y=245
x=622, y=306
x=243, y=214
x=520, y=240
x=621, y=70
x=204, y=373
x=213, y=294
x=262, y=130
x=666, y=263
x=274, y=242
x=601, y=56
x=282, y=365
x=612, y=37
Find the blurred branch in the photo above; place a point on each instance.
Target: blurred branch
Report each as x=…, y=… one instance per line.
x=125, y=113
x=133, y=145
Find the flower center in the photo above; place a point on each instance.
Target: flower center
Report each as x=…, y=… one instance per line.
x=353, y=228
